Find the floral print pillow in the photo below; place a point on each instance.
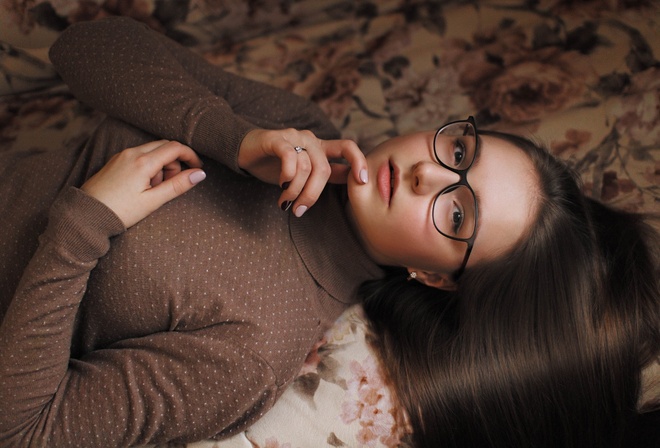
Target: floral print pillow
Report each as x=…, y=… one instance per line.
x=341, y=374
x=339, y=399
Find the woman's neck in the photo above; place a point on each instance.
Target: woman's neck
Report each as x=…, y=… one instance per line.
x=331, y=247
x=350, y=217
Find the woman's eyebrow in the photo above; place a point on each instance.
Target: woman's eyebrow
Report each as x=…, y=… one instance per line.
x=477, y=197
x=477, y=151
x=477, y=224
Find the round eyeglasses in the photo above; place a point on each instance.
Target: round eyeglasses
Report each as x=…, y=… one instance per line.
x=455, y=211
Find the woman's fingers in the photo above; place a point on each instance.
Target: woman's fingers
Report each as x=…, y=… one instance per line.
x=139, y=180
x=357, y=163
x=149, y=146
x=167, y=155
x=271, y=156
x=168, y=171
x=310, y=180
x=314, y=170
x=164, y=163
x=173, y=168
x=174, y=187
x=296, y=168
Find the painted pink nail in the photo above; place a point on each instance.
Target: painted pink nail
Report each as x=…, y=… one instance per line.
x=300, y=211
x=364, y=175
x=197, y=177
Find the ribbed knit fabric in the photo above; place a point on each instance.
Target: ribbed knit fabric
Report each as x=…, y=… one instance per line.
x=191, y=323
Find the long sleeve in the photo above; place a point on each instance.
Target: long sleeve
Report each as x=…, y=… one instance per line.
x=140, y=390
x=135, y=74
x=177, y=347
x=35, y=335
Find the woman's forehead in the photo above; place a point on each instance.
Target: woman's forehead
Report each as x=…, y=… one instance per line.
x=506, y=185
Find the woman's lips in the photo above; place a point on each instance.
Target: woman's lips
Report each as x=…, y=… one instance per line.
x=386, y=182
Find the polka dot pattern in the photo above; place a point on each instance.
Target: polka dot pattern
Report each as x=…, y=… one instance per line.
x=189, y=324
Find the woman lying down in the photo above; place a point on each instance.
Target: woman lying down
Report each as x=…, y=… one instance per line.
x=165, y=281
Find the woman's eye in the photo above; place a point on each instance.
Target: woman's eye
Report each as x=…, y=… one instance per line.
x=456, y=218
x=459, y=152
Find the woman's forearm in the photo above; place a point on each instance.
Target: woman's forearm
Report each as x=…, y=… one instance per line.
x=35, y=335
x=133, y=73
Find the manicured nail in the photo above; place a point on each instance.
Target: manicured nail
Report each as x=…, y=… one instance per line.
x=196, y=177
x=300, y=211
x=364, y=175
x=286, y=205
x=285, y=185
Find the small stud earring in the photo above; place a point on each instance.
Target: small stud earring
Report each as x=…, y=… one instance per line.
x=412, y=276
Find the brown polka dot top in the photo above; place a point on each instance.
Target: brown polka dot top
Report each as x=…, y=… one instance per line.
x=191, y=323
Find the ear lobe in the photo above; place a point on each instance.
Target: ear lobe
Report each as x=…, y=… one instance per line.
x=435, y=280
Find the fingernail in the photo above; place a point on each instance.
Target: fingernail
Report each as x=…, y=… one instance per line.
x=197, y=177
x=364, y=175
x=285, y=185
x=285, y=205
x=300, y=211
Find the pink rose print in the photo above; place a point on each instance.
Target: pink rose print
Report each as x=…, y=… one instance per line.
x=507, y=78
x=274, y=443
x=370, y=404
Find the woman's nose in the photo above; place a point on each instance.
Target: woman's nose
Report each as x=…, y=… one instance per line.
x=429, y=177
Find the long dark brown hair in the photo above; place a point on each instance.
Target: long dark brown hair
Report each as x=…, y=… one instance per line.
x=541, y=347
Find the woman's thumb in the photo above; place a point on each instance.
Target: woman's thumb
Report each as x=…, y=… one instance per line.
x=177, y=185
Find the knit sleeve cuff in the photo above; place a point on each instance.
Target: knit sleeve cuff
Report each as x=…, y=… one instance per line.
x=219, y=136
x=82, y=225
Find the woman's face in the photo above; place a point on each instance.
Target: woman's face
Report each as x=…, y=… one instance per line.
x=392, y=213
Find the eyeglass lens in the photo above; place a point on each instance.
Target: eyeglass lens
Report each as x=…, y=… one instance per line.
x=454, y=210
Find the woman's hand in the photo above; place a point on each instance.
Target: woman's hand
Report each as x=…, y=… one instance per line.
x=271, y=156
x=137, y=181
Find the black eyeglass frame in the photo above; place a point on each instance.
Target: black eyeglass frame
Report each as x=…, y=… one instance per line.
x=461, y=182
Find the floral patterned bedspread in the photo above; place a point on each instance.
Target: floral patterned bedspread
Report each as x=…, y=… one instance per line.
x=581, y=76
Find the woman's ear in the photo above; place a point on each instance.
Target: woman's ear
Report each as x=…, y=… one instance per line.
x=433, y=279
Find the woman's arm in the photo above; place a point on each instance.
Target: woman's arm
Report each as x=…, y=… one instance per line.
x=35, y=335
x=49, y=399
x=139, y=76
x=137, y=391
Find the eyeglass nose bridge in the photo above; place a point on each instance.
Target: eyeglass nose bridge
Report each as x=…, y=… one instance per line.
x=462, y=180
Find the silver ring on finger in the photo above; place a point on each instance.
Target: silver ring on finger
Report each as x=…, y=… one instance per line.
x=299, y=149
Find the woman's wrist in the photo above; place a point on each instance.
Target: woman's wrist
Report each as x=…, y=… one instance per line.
x=82, y=225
